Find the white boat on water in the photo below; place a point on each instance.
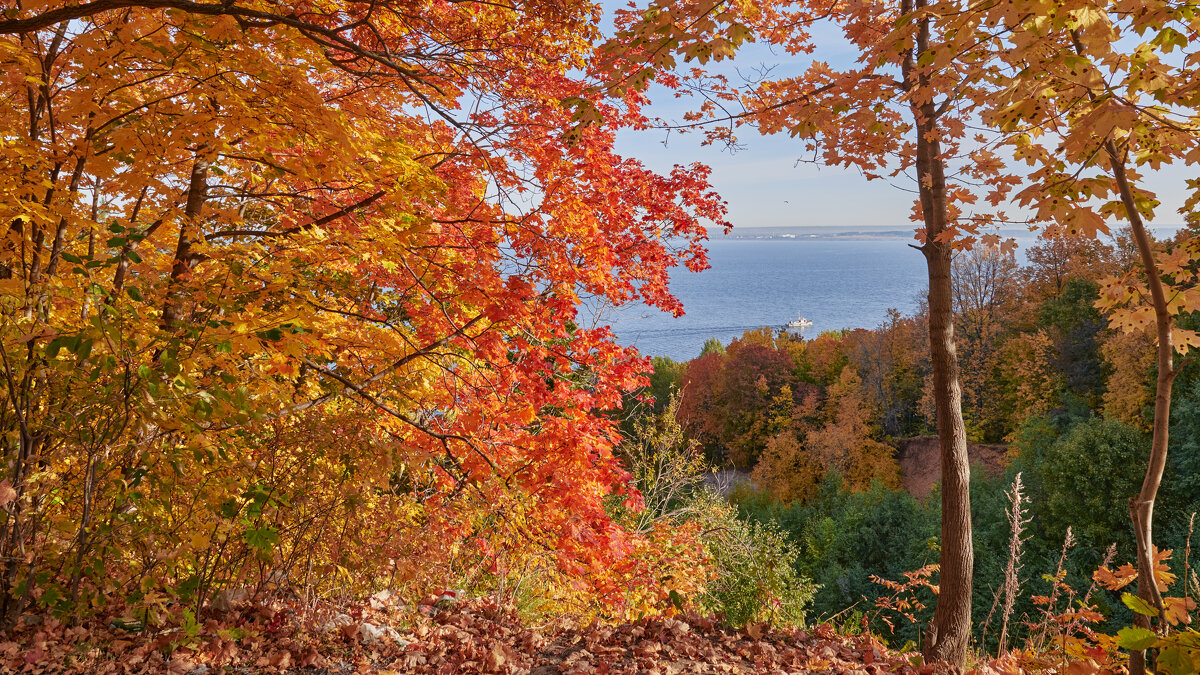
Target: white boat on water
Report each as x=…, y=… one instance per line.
x=799, y=322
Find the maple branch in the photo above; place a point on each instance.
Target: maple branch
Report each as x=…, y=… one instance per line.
x=261, y=19
x=329, y=38
x=12, y=393
x=444, y=438
x=774, y=106
x=340, y=213
x=398, y=364
x=662, y=45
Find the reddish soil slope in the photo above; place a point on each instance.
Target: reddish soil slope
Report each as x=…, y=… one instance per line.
x=920, y=464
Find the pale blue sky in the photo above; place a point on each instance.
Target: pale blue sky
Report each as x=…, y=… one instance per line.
x=766, y=187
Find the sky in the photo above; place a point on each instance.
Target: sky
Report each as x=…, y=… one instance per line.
x=765, y=185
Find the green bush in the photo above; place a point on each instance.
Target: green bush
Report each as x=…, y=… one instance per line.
x=754, y=566
x=756, y=578
x=843, y=538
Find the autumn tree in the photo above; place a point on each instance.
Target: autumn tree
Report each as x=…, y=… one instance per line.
x=737, y=401
x=794, y=463
x=1129, y=390
x=1029, y=383
x=1095, y=96
x=985, y=296
x=901, y=110
x=819, y=360
x=847, y=442
x=699, y=405
x=227, y=224
x=1055, y=260
x=893, y=370
x=787, y=470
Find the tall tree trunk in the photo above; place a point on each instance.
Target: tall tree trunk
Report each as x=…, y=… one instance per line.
x=950, y=633
x=1141, y=506
x=189, y=235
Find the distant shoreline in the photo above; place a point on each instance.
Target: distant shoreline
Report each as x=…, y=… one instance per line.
x=821, y=236
x=868, y=233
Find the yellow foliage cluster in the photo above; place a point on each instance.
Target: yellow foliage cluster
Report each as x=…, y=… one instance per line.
x=791, y=470
x=277, y=310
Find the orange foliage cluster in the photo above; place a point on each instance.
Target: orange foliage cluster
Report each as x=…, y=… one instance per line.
x=289, y=299
x=791, y=409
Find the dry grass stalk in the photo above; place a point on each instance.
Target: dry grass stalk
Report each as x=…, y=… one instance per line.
x=1188, y=573
x=1017, y=520
x=1048, y=609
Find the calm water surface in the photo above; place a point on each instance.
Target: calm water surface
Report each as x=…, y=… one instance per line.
x=753, y=283
x=768, y=282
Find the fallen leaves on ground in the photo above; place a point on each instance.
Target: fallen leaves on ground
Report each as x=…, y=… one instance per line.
x=472, y=637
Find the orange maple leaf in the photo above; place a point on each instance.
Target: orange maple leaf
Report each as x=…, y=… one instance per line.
x=1114, y=581
x=1177, y=610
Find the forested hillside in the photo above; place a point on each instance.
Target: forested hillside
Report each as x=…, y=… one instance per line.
x=818, y=423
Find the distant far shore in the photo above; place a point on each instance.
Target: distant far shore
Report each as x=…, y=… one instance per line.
x=755, y=233
x=867, y=232
x=814, y=232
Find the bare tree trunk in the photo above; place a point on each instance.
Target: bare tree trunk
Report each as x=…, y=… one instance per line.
x=950, y=633
x=1141, y=506
x=951, y=630
x=189, y=235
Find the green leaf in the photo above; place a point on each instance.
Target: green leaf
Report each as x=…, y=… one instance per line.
x=676, y=599
x=262, y=539
x=190, y=627
x=1136, y=639
x=1138, y=605
x=134, y=293
x=84, y=349
x=128, y=625
x=56, y=345
x=1175, y=660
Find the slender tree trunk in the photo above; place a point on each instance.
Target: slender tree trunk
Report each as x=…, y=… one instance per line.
x=1141, y=506
x=189, y=235
x=950, y=633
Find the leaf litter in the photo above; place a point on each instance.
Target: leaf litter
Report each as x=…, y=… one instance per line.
x=437, y=637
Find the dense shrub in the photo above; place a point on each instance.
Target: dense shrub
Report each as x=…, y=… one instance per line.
x=844, y=538
x=750, y=573
x=755, y=568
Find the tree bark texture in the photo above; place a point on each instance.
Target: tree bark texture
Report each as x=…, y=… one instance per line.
x=189, y=235
x=1141, y=506
x=950, y=633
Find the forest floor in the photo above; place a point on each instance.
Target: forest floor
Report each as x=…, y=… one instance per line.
x=470, y=637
